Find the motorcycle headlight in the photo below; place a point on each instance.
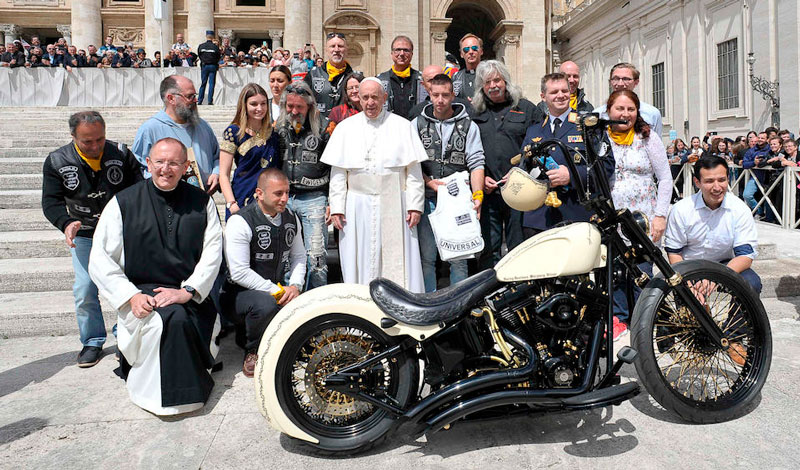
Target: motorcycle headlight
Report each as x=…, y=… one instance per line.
x=642, y=221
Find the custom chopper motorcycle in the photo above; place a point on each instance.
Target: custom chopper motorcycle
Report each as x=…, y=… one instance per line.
x=343, y=366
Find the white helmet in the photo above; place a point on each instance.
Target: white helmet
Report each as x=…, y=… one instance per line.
x=522, y=191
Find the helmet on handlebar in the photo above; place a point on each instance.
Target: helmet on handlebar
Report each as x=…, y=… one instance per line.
x=523, y=192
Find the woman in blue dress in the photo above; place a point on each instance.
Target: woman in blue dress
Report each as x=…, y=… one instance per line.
x=250, y=143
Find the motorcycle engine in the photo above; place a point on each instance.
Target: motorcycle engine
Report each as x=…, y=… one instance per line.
x=552, y=316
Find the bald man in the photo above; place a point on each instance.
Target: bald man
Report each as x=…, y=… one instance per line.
x=577, y=98
x=427, y=75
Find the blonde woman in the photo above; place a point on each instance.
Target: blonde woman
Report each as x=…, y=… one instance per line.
x=251, y=144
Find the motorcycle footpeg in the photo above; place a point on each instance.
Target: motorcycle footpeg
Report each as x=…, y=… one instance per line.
x=627, y=355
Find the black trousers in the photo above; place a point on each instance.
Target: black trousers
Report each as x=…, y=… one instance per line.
x=250, y=310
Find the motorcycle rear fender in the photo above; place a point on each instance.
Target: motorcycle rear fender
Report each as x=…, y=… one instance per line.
x=563, y=251
x=349, y=299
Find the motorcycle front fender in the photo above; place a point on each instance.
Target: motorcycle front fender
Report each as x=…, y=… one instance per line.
x=345, y=299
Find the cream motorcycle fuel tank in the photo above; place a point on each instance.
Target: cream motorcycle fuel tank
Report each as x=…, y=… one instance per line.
x=563, y=251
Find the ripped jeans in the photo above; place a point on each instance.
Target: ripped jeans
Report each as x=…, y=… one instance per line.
x=310, y=208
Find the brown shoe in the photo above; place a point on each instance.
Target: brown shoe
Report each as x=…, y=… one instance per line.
x=738, y=353
x=249, y=366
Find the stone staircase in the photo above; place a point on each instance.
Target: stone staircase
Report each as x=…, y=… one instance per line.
x=35, y=265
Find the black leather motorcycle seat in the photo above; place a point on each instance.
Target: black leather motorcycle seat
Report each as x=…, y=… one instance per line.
x=431, y=308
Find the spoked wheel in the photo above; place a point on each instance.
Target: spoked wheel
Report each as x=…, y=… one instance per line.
x=680, y=366
x=339, y=421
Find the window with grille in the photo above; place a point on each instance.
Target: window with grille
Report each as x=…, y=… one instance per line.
x=728, y=74
x=659, y=88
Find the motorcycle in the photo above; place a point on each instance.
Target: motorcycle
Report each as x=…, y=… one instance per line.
x=344, y=366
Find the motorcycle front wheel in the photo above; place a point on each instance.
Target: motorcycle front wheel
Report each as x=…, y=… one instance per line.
x=677, y=362
x=340, y=422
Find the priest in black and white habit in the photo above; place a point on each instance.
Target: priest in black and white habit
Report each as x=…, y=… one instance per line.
x=151, y=262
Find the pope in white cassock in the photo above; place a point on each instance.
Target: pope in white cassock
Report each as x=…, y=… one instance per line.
x=156, y=253
x=377, y=192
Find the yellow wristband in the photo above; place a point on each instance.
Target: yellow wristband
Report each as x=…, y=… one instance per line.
x=279, y=294
x=478, y=195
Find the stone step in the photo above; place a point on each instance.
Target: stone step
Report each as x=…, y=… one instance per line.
x=36, y=274
x=30, y=181
x=20, y=198
x=33, y=244
x=13, y=220
x=21, y=166
x=44, y=313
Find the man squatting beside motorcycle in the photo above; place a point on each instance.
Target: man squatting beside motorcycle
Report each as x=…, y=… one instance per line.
x=263, y=243
x=303, y=138
x=79, y=179
x=453, y=144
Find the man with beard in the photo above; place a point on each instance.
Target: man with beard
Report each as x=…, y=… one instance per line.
x=471, y=48
x=79, y=179
x=577, y=98
x=327, y=81
x=377, y=192
x=157, y=252
x=303, y=138
x=401, y=82
x=503, y=117
x=180, y=120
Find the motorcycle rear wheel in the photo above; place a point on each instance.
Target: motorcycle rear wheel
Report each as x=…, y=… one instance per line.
x=339, y=422
x=677, y=362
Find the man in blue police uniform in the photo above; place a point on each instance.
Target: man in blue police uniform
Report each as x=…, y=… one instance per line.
x=560, y=123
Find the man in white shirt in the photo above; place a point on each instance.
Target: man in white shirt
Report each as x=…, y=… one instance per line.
x=263, y=242
x=713, y=224
x=625, y=76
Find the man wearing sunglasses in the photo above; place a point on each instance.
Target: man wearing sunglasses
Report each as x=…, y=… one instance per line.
x=180, y=120
x=402, y=83
x=471, y=49
x=327, y=81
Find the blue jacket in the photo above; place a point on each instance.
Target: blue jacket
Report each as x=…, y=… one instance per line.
x=546, y=217
x=749, y=160
x=200, y=138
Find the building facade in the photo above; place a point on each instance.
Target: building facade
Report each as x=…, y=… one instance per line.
x=693, y=55
x=513, y=30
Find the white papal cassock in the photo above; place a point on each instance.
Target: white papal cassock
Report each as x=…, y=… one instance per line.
x=375, y=179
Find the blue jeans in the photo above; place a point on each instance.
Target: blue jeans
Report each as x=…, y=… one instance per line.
x=621, y=308
x=208, y=73
x=87, y=304
x=428, y=252
x=497, y=217
x=750, y=190
x=310, y=208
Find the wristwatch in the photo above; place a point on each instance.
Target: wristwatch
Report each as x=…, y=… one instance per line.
x=189, y=289
x=229, y=204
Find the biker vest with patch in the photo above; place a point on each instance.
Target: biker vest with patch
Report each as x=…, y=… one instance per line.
x=454, y=222
x=415, y=82
x=270, y=244
x=301, y=159
x=88, y=192
x=328, y=94
x=454, y=159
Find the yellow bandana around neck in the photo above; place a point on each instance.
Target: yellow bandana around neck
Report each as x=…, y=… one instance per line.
x=333, y=72
x=402, y=73
x=573, y=101
x=621, y=138
x=94, y=163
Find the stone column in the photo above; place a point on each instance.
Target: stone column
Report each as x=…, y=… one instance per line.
x=438, y=30
x=296, y=24
x=200, y=20
x=11, y=32
x=277, y=38
x=66, y=32
x=87, y=25
x=507, y=45
x=155, y=38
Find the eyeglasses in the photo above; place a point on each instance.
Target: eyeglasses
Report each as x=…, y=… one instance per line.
x=170, y=165
x=402, y=50
x=474, y=48
x=191, y=97
x=621, y=79
x=352, y=88
x=298, y=89
x=335, y=35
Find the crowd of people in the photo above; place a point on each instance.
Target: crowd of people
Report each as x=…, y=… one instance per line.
x=407, y=166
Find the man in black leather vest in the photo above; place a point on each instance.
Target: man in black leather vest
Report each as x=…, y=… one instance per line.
x=402, y=83
x=303, y=138
x=327, y=82
x=263, y=242
x=79, y=179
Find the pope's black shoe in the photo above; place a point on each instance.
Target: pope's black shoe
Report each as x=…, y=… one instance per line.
x=89, y=356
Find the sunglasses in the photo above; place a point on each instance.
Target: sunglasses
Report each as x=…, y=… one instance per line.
x=474, y=48
x=335, y=35
x=298, y=89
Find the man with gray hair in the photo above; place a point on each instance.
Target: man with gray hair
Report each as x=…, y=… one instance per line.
x=303, y=137
x=402, y=83
x=79, y=179
x=503, y=116
x=180, y=120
